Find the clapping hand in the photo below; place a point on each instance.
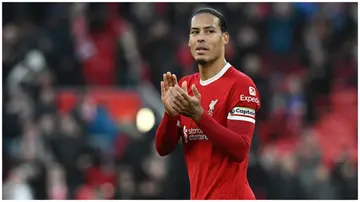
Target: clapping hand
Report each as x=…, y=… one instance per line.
x=169, y=81
x=181, y=102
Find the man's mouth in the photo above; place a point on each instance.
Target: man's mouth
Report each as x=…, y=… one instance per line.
x=201, y=49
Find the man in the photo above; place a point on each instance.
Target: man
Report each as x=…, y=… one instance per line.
x=213, y=112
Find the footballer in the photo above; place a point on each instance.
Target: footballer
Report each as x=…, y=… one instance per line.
x=213, y=113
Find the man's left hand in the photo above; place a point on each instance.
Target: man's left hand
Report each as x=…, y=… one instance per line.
x=185, y=104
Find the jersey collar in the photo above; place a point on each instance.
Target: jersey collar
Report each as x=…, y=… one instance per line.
x=216, y=76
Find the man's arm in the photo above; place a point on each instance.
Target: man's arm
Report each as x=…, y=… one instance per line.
x=167, y=135
x=234, y=140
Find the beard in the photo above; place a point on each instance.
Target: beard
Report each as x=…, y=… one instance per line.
x=201, y=62
x=204, y=62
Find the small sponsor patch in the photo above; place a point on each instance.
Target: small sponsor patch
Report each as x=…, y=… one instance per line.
x=244, y=111
x=252, y=91
x=249, y=99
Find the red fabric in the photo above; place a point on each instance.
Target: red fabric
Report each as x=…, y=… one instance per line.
x=216, y=148
x=234, y=140
x=167, y=136
x=97, y=177
x=97, y=50
x=100, y=68
x=330, y=142
x=85, y=192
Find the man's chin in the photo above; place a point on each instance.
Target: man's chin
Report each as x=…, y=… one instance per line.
x=201, y=61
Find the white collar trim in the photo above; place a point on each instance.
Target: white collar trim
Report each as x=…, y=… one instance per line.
x=217, y=76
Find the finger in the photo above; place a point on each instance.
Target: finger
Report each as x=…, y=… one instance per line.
x=168, y=76
x=177, y=98
x=166, y=84
x=184, y=86
x=175, y=106
x=181, y=99
x=172, y=93
x=196, y=92
x=170, y=99
x=170, y=109
x=162, y=85
x=174, y=79
x=185, y=95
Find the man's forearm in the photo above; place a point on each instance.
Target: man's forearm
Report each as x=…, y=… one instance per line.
x=167, y=136
x=234, y=140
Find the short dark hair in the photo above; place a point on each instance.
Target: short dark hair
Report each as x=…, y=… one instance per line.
x=215, y=13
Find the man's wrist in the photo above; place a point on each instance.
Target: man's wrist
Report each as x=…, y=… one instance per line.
x=198, y=115
x=170, y=116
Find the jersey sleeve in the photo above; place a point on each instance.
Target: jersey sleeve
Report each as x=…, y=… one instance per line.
x=244, y=102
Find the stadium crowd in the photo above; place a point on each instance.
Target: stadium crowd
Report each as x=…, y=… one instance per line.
x=302, y=57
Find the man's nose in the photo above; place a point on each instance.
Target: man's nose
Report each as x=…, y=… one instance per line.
x=200, y=39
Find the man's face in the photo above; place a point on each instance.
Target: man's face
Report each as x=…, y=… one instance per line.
x=206, y=40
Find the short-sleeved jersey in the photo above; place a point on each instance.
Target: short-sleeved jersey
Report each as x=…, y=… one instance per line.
x=229, y=95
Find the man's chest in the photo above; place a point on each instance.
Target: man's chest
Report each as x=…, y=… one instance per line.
x=214, y=101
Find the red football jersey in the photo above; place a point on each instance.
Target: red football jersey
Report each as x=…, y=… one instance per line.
x=228, y=97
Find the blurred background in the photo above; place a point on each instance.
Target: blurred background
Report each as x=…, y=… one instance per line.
x=81, y=100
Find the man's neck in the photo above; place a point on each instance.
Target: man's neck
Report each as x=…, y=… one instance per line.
x=209, y=70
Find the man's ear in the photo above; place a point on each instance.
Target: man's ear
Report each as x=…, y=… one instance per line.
x=225, y=38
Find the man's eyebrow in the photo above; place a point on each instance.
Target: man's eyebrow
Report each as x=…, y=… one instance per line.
x=207, y=27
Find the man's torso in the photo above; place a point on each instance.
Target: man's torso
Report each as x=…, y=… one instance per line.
x=212, y=174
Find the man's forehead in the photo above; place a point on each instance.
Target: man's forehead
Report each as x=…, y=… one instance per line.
x=204, y=20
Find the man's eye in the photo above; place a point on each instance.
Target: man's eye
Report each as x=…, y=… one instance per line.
x=210, y=31
x=194, y=32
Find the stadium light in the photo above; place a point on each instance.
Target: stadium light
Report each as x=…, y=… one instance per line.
x=145, y=120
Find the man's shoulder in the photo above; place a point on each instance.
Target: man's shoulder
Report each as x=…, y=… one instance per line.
x=239, y=78
x=244, y=88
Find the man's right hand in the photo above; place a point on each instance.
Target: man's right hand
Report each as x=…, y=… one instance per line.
x=169, y=80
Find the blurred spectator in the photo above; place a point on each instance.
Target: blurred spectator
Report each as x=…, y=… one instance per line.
x=281, y=26
x=57, y=189
x=344, y=174
x=289, y=180
x=102, y=44
x=323, y=187
x=68, y=146
x=302, y=57
x=125, y=184
x=16, y=188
